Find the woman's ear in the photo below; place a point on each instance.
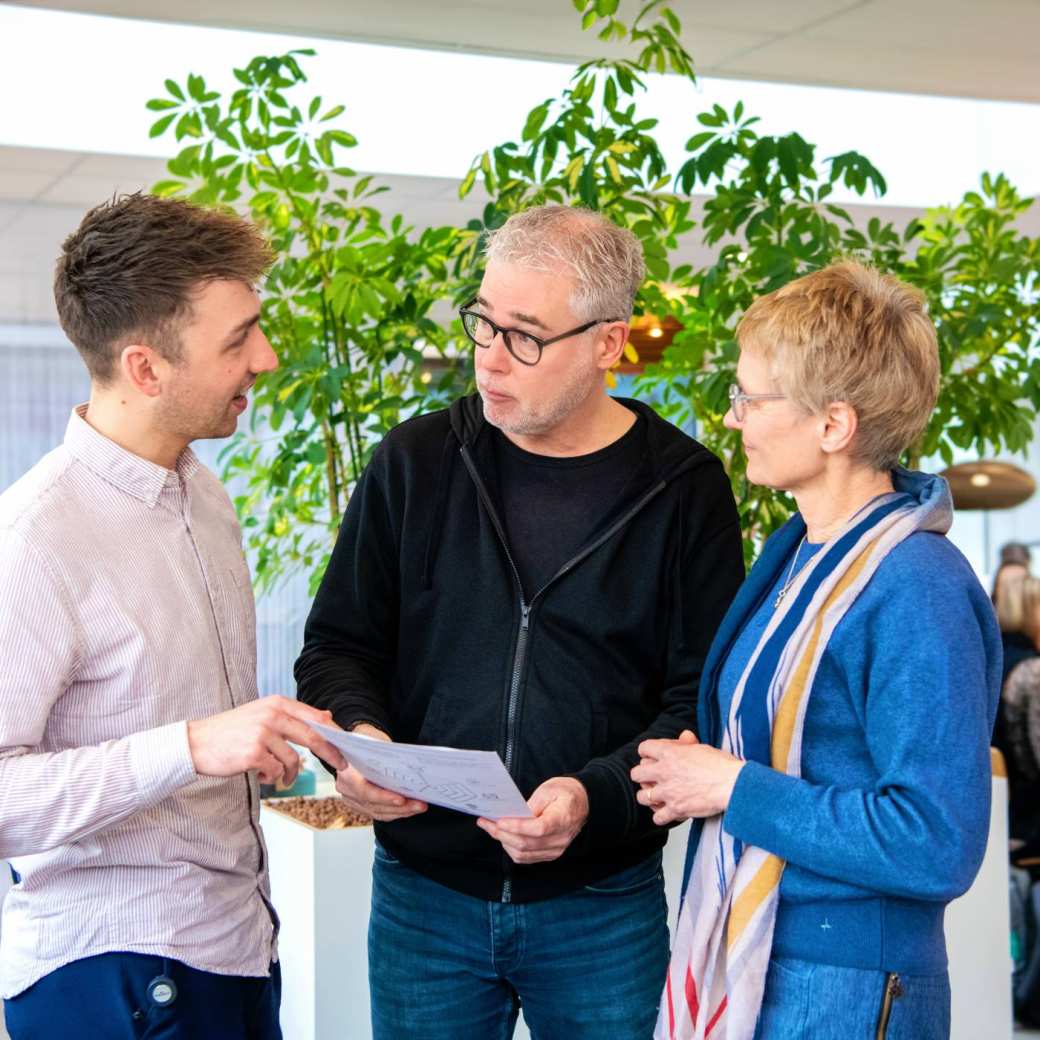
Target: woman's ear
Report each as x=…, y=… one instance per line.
x=839, y=424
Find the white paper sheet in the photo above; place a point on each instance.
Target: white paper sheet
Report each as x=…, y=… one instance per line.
x=474, y=782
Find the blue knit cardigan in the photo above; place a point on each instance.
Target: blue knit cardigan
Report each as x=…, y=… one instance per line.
x=890, y=817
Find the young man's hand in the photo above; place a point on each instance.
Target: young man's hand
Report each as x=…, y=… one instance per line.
x=256, y=736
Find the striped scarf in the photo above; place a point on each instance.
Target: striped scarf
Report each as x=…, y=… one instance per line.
x=716, y=978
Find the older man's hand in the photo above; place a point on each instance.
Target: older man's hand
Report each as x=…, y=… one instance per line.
x=367, y=798
x=683, y=778
x=560, y=807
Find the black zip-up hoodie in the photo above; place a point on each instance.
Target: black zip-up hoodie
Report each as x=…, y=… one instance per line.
x=419, y=627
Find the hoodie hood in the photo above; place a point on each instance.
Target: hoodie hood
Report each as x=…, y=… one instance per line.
x=931, y=493
x=670, y=453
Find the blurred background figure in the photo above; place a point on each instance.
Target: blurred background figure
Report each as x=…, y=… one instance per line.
x=1014, y=563
x=1017, y=732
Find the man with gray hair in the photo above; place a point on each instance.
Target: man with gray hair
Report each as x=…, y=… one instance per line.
x=538, y=571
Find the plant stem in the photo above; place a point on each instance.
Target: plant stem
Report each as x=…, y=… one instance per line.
x=331, y=451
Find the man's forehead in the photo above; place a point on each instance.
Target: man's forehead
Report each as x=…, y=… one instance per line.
x=530, y=295
x=525, y=315
x=229, y=302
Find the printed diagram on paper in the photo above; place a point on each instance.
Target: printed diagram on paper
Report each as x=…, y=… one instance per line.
x=474, y=782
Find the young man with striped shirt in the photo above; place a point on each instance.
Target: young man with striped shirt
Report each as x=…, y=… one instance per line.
x=131, y=736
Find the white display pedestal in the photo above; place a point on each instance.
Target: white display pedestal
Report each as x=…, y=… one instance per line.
x=321, y=886
x=978, y=938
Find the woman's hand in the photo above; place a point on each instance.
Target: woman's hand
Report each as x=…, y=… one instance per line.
x=683, y=778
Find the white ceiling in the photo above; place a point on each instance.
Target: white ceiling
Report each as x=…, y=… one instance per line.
x=970, y=48
x=958, y=47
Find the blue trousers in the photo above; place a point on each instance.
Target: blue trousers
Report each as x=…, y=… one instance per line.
x=130, y=996
x=805, y=1001
x=588, y=965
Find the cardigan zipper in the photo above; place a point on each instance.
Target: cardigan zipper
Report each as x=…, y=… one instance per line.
x=893, y=991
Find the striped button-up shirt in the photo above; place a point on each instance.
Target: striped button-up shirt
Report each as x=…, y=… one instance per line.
x=125, y=609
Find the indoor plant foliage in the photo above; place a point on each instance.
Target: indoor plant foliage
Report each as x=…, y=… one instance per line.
x=348, y=304
x=770, y=217
x=589, y=147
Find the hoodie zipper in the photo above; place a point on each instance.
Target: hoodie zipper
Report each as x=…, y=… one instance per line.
x=520, y=654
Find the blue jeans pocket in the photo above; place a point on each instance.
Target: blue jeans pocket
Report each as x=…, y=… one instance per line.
x=632, y=879
x=386, y=858
x=785, y=1003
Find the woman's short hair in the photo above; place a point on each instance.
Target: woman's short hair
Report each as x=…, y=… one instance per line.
x=604, y=259
x=850, y=333
x=1018, y=606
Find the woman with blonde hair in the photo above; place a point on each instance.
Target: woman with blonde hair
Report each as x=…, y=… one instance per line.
x=846, y=705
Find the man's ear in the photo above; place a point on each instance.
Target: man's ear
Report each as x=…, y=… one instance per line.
x=611, y=344
x=838, y=426
x=143, y=368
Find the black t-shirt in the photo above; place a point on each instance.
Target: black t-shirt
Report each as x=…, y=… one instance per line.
x=552, y=505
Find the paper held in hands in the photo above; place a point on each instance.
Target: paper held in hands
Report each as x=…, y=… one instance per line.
x=474, y=782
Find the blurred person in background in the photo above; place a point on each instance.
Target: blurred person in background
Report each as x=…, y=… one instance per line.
x=1014, y=563
x=1018, y=612
x=1016, y=642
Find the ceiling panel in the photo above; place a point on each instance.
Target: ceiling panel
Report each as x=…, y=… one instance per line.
x=764, y=17
x=85, y=191
x=39, y=160
x=954, y=30
x=949, y=47
x=910, y=70
x=22, y=184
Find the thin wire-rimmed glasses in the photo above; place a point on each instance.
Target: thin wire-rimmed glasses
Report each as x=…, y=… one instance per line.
x=738, y=400
x=527, y=349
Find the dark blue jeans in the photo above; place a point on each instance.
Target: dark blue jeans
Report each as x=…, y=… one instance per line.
x=586, y=966
x=107, y=998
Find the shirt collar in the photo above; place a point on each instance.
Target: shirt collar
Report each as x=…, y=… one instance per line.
x=121, y=468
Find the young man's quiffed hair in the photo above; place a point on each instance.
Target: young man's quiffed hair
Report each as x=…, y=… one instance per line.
x=129, y=271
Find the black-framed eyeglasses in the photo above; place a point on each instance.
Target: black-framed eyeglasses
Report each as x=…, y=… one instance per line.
x=527, y=349
x=739, y=401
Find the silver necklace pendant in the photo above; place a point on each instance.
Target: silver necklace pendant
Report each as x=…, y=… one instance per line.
x=791, y=576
